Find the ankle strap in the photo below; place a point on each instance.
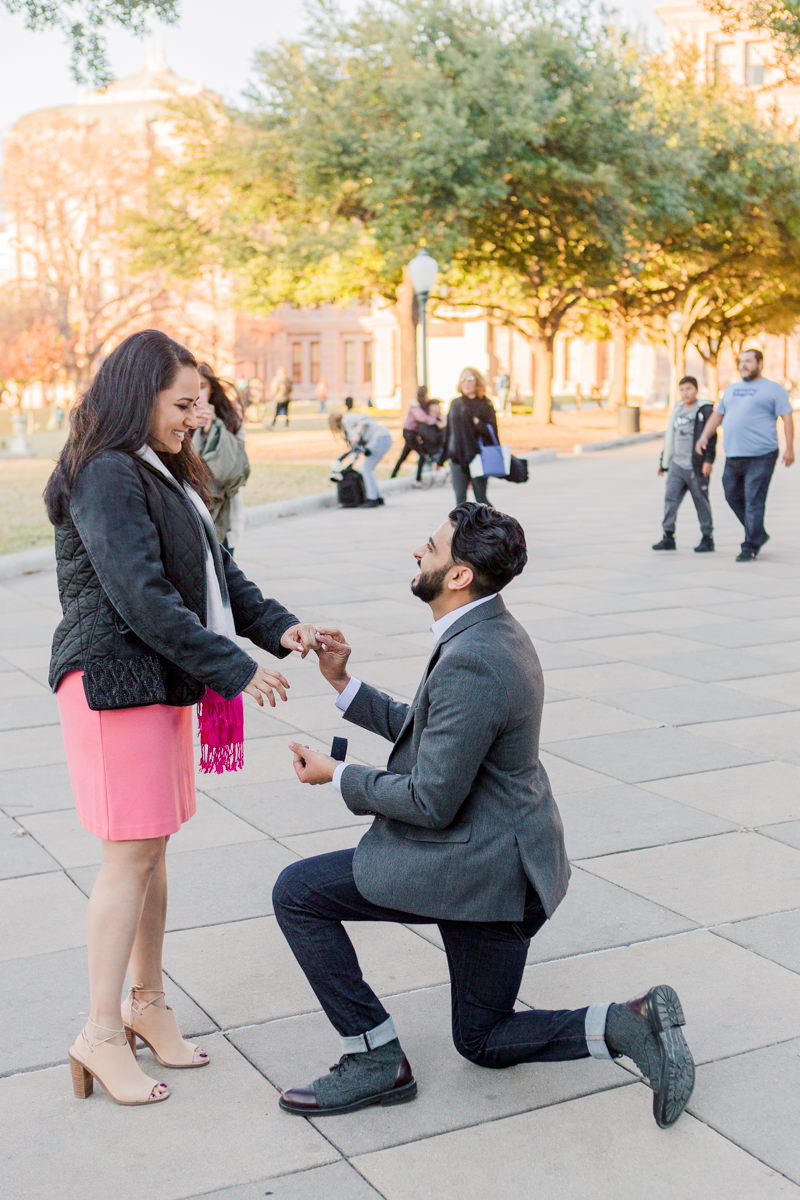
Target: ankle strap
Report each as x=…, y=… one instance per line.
x=143, y=1004
x=112, y=1033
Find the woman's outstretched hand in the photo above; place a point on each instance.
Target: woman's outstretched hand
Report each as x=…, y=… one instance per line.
x=301, y=638
x=267, y=682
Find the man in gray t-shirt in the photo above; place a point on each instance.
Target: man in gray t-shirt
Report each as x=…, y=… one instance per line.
x=686, y=470
x=750, y=410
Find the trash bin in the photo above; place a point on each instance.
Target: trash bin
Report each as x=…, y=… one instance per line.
x=627, y=419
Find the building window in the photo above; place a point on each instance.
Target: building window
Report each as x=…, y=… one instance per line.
x=754, y=63
x=724, y=62
x=297, y=362
x=366, y=373
x=314, y=361
x=349, y=353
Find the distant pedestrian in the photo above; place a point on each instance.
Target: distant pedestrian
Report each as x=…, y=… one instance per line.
x=322, y=394
x=219, y=440
x=423, y=431
x=686, y=469
x=471, y=416
x=502, y=389
x=750, y=410
x=281, y=393
x=365, y=435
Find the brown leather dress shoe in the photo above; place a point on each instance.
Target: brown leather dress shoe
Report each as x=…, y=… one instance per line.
x=357, y=1080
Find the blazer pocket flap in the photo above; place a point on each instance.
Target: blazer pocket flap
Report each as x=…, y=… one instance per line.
x=460, y=832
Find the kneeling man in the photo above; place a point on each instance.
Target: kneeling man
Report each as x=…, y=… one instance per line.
x=466, y=836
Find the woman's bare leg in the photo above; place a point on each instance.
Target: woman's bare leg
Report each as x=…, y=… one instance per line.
x=148, y=945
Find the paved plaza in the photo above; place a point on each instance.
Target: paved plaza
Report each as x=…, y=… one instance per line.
x=672, y=739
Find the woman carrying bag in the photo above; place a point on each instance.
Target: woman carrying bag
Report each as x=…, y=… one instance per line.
x=470, y=418
x=151, y=605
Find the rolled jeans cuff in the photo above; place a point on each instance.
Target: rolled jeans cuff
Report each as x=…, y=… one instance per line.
x=596, y=1030
x=370, y=1040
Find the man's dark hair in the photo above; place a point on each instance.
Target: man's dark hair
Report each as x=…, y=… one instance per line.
x=490, y=542
x=689, y=379
x=759, y=357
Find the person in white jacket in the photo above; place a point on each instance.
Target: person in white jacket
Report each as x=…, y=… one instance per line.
x=373, y=440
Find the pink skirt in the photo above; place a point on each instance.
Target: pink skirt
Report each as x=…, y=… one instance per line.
x=131, y=769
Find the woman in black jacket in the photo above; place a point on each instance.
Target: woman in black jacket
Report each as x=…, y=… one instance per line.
x=151, y=605
x=469, y=417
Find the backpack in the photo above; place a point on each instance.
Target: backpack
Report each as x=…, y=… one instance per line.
x=350, y=488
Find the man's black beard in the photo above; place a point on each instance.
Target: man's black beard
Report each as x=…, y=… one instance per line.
x=428, y=587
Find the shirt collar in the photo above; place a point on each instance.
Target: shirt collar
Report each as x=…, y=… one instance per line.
x=440, y=627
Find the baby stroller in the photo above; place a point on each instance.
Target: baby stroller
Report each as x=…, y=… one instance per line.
x=349, y=482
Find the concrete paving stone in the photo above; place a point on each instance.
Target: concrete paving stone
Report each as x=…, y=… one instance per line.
x=244, y=973
x=636, y=647
x=49, y=913
x=325, y=841
x=767, y=609
x=566, y=596
x=571, y=626
x=453, y=1093
x=35, y=789
x=661, y=620
x=733, y=1000
x=754, y=795
x=266, y=760
x=691, y=703
x=643, y=754
x=582, y=718
x=776, y=735
x=554, y=655
x=24, y=636
x=216, y=885
x=733, y=634
x=29, y=658
x=619, y=817
x=31, y=747
x=586, y=1148
x=593, y=917
x=21, y=854
x=776, y=937
x=376, y=616
x=42, y=997
x=786, y=831
x=718, y=665
x=221, y=1126
x=280, y=721
x=336, y=1182
x=747, y=1099
x=609, y=677
x=566, y=777
x=286, y=807
x=14, y=684
x=724, y=878
x=784, y=687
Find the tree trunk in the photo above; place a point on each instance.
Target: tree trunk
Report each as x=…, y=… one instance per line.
x=712, y=370
x=408, y=342
x=543, y=383
x=619, y=380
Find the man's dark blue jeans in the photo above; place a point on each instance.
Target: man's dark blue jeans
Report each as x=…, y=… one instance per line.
x=746, y=483
x=486, y=960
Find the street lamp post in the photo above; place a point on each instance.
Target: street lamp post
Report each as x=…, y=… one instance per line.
x=423, y=270
x=675, y=323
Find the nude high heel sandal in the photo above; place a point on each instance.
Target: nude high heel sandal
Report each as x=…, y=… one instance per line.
x=158, y=1028
x=114, y=1068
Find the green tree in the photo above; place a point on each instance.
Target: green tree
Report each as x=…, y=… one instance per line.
x=84, y=23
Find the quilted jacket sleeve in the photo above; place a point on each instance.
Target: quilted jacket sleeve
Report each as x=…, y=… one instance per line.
x=262, y=621
x=110, y=512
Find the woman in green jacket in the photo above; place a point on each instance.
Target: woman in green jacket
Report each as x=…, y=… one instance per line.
x=219, y=440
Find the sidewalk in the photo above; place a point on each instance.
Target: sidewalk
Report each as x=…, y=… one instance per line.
x=671, y=737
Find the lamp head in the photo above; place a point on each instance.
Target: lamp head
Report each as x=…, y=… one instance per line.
x=423, y=270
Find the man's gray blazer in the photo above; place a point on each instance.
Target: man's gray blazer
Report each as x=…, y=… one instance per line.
x=464, y=814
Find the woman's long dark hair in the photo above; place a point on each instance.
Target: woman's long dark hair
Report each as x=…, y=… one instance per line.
x=220, y=400
x=116, y=413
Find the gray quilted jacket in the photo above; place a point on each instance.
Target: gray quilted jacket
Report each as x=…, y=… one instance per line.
x=131, y=562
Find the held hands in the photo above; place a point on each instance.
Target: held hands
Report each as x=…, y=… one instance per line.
x=310, y=766
x=707, y=468
x=661, y=471
x=301, y=638
x=333, y=651
x=700, y=447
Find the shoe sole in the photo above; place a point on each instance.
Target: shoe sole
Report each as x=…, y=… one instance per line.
x=676, y=1076
x=399, y=1095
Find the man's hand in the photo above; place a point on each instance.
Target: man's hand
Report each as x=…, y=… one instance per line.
x=661, y=470
x=301, y=638
x=788, y=456
x=333, y=652
x=700, y=447
x=310, y=766
x=707, y=468
x=266, y=682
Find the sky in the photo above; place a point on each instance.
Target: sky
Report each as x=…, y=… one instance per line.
x=213, y=45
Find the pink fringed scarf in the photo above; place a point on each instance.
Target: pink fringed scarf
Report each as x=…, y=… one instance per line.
x=221, y=724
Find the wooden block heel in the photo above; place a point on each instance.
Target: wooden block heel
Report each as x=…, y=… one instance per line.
x=82, y=1080
x=131, y=1036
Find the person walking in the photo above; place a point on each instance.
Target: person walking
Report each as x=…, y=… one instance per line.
x=322, y=394
x=466, y=836
x=502, y=389
x=151, y=606
x=470, y=416
x=219, y=440
x=281, y=392
x=365, y=435
x=750, y=410
x=685, y=468
x=422, y=431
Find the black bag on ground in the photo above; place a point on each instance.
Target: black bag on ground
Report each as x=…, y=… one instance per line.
x=350, y=488
x=517, y=470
